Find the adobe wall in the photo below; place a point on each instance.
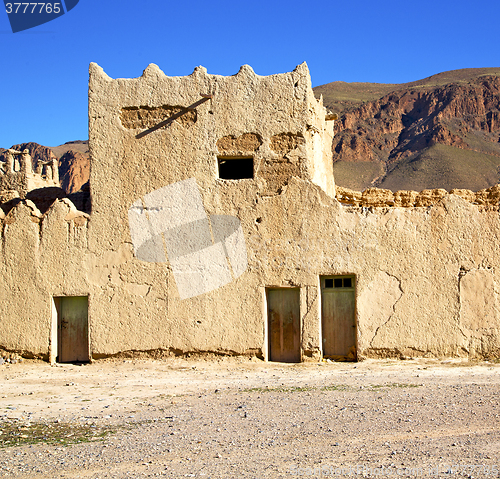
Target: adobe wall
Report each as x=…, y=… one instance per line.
x=40, y=257
x=427, y=276
x=427, y=279
x=275, y=119
x=426, y=267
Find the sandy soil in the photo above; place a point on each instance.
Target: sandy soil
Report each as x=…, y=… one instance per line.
x=231, y=418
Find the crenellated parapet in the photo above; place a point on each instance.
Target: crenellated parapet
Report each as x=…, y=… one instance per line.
x=26, y=211
x=16, y=173
x=62, y=226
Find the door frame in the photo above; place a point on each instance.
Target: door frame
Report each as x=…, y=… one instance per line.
x=55, y=302
x=355, y=312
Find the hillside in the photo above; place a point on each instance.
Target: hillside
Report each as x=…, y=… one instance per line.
x=341, y=96
x=442, y=131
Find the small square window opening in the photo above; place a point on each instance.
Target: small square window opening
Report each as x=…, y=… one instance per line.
x=329, y=283
x=235, y=168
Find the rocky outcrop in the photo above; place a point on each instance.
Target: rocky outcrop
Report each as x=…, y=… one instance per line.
x=74, y=170
x=403, y=124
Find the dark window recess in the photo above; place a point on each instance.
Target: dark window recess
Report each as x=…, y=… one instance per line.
x=341, y=282
x=235, y=168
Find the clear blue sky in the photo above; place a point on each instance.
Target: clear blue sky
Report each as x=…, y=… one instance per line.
x=43, y=86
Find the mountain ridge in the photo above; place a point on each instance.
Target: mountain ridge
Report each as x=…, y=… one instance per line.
x=392, y=141
x=334, y=92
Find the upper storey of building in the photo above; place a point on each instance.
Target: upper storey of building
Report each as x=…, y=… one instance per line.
x=156, y=130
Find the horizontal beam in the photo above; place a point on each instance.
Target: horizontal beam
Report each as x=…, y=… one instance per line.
x=173, y=117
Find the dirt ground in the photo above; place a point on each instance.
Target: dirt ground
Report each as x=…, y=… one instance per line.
x=235, y=417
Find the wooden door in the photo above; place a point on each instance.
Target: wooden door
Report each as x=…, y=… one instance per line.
x=338, y=316
x=72, y=326
x=284, y=324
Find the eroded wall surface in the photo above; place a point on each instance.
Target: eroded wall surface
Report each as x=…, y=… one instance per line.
x=418, y=268
x=274, y=120
x=41, y=257
x=425, y=267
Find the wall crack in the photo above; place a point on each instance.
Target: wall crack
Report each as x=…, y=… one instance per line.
x=393, y=307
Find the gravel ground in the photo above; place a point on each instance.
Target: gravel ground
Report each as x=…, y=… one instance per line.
x=232, y=418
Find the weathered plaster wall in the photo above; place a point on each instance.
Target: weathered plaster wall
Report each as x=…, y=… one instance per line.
x=427, y=278
x=412, y=295
x=41, y=257
x=407, y=261
x=426, y=265
x=275, y=119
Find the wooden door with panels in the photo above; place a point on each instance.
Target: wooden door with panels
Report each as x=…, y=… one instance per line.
x=284, y=324
x=338, y=310
x=72, y=329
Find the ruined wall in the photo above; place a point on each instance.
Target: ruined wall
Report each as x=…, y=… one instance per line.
x=17, y=175
x=379, y=197
x=40, y=257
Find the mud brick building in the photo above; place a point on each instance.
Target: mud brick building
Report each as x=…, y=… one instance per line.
x=216, y=226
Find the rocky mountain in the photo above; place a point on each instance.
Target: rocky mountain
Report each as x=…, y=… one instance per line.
x=74, y=170
x=440, y=132
x=81, y=146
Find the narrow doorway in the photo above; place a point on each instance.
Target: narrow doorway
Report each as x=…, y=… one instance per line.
x=338, y=307
x=284, y=324
x=72, y=329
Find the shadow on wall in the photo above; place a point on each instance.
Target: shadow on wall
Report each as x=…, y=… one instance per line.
x=43, y=198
